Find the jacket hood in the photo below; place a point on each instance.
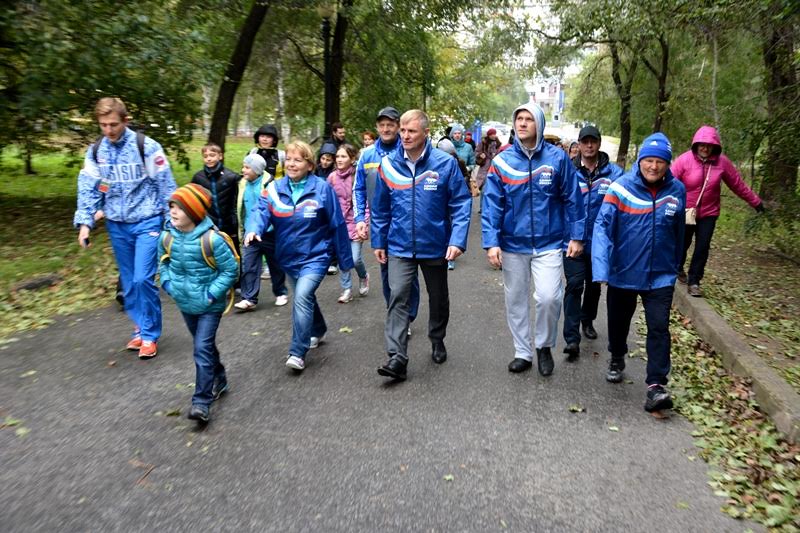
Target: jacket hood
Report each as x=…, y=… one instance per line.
x=602, y=160
x=328, y=148
x=707, y=135
x=267, y=129
x=538, y=115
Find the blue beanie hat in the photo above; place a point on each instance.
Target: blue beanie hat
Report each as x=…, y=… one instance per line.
x=456, y=128
x=656, y=145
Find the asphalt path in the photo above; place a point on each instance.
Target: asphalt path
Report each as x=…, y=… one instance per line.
x=97, y=443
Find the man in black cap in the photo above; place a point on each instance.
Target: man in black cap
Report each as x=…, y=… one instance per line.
x=388, y=125
x=595, y=173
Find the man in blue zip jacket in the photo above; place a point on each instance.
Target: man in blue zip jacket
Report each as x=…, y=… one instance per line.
x=637, y=249
x=531, y=200
x=420, y=220
x=133, y=191
x=388, y=124
x=595, y=173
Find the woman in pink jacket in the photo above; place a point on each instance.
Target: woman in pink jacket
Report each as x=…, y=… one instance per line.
x=341, y=180
x=702, y=171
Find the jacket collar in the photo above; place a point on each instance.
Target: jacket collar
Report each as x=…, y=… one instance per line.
x=400, y=158
x=283, y=186
x=382, y=149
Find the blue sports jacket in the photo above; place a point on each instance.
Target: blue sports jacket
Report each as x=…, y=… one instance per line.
x=593, y=187
x=126, y=188
x=306, y=233
x=638, y=238
x=531, y=205
x=420, y=215
x=187, y=277
x=367, y=175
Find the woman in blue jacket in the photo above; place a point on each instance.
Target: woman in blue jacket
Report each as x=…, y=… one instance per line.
x=636, y=248
x=308, y=226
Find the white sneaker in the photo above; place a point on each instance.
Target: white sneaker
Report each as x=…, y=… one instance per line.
x=265, y=274
x=409, y=331
x=296, y=363
x=314, y=342
x=245, y=305
x=333, y=269
x=281, y=300
x=347, y=295
x=363, y=286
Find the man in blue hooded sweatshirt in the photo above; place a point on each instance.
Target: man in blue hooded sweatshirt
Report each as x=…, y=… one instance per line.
x=637, y=249
x=531, y=201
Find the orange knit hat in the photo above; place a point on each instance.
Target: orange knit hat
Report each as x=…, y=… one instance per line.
x=194, y=200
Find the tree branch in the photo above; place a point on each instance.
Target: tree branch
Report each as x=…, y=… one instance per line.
x=305, y=61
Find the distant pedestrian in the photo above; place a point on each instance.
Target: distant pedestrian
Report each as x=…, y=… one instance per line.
x=574, y=149
x=469, y=140
x=636, y=249
x=420, y=220
x=266, y=139
x=126, y=175
x=531, y=204
x=327, y=156
x=595, y=173
x=463, y=149
x=487, y=149
x=341, y=180
x=338, y=134
x=367, y=139
x=702, y=170
x=254, y=183
x=309, y=226
x=199, y=289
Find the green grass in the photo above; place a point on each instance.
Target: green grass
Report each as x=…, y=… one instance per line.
x=37, y=238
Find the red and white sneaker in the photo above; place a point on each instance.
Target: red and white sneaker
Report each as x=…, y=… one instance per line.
x=135, y=343
x=148, y=350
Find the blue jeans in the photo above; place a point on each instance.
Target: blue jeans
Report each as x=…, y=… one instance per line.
x=345, y=278
x=413, y=302
x=136, y=251
x=307, y=319
x=252, y=266
x=206, y=356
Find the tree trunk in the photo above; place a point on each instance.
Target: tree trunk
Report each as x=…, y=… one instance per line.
x=336, y=72
x=783, y=102
x=283, y=124
x=661, y=74
x=623, y=87
x=235, y=71
x=714, y=69
x=28, y=153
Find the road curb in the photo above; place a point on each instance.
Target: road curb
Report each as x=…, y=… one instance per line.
x=778, y=399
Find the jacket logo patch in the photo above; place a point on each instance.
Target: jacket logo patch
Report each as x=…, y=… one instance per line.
x=431, y=183
x=670, y=209
x=308, y=208
x=545, y=178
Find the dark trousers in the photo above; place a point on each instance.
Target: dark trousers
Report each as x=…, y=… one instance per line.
x=252, y=266
x=702, y=233
x=402, y=274
x=206, y=356
x=578, y=271
x=413, y=303
x=657, y=303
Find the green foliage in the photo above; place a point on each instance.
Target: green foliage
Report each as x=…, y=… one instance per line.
x=753, y=468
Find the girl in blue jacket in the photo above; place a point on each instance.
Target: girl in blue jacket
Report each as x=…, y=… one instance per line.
x=636, y=249
x=308, y=226
x=199, y=290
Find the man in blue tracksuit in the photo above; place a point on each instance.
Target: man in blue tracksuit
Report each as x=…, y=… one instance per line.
x=420, y=220
x=637, y=249
x=531, y=199
x=595, y=173
x=388, y=124
x=133, y=192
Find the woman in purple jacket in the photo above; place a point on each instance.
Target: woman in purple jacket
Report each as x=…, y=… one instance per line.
x=341, y=180
x=702, y=171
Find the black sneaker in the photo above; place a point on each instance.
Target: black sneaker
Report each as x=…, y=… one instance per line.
x=219, y=388
x=518, y=365
x=200, y=413
x=615, y=372
x=658, y=399
x=589, y=332
x=544, y=360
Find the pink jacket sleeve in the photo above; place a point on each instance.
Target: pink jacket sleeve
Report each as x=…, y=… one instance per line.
x=735, y=182
x=678, y=167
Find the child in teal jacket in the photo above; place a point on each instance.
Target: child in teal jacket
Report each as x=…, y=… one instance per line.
x=198, y=289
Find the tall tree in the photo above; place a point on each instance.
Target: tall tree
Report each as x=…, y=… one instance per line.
x=235, y=71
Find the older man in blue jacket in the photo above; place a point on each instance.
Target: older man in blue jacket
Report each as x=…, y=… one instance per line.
x=420, y=220
x=531, y=200
x=638, y=247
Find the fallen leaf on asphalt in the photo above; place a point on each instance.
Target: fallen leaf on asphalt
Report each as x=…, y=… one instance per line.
x=403, y=468
x=112, y=363
x=449, y=477
x=503, y=524
x=345, y=329
x=575, y=408
x=28, y=374
x=189, y=444
x=256, y=333
x=11, y=421
x=659, y=415
x=613, y=428
x=629, y=382
x=21, y=431
x=682, y=505
x=173, y=412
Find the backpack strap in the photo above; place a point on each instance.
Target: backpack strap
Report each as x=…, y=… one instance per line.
x=139, y=144
x=166, y=241
x=207, y=249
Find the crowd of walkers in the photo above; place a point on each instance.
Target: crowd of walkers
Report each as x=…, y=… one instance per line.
x=547, y=213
